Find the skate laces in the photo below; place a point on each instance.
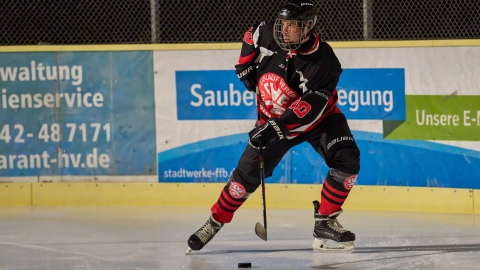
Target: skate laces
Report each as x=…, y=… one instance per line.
x=338, y=223
x=335, y=225
x=207, y=232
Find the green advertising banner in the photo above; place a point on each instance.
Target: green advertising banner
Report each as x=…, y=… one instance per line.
x=432, y=117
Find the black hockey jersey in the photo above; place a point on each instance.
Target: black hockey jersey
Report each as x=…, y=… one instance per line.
x=297, y=86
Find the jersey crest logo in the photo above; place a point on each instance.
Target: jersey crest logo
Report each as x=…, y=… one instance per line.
x=276, y=94
x=236, y=190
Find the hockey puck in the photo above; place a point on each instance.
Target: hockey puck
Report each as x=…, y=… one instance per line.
x=245, y=265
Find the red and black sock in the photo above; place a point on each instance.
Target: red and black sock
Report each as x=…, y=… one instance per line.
x=333, y=196
x=226, y=206
x=233, y=195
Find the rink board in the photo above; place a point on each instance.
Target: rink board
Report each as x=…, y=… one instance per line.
x=15, y=194
x=424, y=177
x=232, y=46
x=476, y=201
x=288, y=196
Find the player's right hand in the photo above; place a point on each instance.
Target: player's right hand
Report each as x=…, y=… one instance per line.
x=247, y=73
x=268, y=134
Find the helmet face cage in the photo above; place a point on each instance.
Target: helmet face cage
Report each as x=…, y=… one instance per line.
x=301, y=12
x=303, y=29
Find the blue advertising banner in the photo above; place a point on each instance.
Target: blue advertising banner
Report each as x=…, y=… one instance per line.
x=372, y=93
x=77, y=113
x=363, y=94
x=213, y=160
x=213, y=95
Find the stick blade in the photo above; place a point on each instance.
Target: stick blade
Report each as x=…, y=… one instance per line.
x=261, y=231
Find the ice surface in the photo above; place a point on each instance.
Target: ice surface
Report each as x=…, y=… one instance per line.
x=156, y=238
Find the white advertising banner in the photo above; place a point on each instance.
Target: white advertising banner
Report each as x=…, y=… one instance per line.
x=414, y=112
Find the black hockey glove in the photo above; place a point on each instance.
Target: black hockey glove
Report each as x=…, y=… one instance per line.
x=247, y=73
x=268, y=134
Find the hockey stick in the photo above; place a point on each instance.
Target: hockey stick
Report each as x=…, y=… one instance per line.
x=260, y=230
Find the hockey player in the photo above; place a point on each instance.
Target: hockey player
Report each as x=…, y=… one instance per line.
x=296, y=73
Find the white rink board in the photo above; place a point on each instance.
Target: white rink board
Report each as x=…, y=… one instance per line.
x=194, y=146
x=428, y=71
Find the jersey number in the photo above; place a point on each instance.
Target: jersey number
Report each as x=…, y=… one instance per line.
x=300, y=108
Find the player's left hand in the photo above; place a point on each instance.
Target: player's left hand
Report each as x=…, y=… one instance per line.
x=268, y=134
x=247, y=73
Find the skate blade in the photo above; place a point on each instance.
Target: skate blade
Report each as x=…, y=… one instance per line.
x=320, y=245
x=189, y=250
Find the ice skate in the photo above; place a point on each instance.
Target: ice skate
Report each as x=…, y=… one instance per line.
x=201, y=237
x=328, y=228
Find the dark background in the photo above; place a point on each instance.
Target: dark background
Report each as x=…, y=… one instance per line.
x=204, y=21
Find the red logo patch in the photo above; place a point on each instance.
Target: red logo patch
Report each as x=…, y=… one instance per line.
x=248, y=37
x=276, y=94
x=236, y=190
x=349, y=182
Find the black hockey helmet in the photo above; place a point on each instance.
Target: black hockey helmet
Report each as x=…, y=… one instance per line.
x=305, y=15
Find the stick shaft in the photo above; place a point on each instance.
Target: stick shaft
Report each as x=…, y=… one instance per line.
x=262, y=179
